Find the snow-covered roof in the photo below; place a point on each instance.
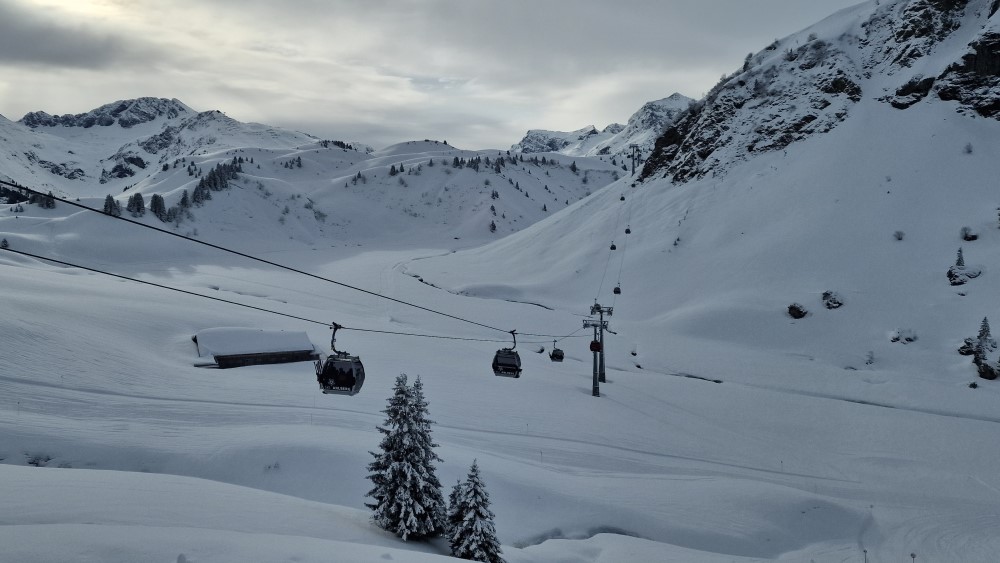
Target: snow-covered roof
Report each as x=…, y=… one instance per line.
x=230, y=341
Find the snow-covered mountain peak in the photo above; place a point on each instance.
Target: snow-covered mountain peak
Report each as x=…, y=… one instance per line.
x=124, y=113
x=565, y=142
x=615, y=140
x=659, y=112
x=900, y=52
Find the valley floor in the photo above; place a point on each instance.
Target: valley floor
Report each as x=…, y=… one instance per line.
x=149, y=458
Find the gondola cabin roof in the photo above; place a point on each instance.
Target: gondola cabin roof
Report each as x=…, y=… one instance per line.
x=237, y=346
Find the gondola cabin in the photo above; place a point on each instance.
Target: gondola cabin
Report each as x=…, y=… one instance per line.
x=618, y=290
x=340, y=374
x=507, y=363
x=556, y=355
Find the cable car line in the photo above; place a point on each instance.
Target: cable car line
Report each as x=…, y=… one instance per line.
x=621, y=265
x=607, y=264
x=273, y=312
x=261, y=260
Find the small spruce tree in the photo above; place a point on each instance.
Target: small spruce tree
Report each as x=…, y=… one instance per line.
x=4, y=244
x=960, y=259
x=432, y=489
x=984, y=343
x=471, y=533
x=158, y=207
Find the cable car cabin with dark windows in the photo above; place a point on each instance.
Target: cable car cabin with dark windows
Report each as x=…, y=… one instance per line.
x=556, y=355
x=340, y=374
x=507, y=363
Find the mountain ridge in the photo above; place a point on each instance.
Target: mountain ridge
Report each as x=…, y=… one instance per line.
x=806, y=84
x=124, y=113
x=615, y=140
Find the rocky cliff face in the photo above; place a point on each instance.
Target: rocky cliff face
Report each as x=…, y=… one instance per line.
x=541, y=140
x=123, y=113
x=127, y=140
x=900, y=52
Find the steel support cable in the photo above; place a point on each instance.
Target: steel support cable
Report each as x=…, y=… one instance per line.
x=608, y=263
x=250, y=257
x=271, y=311
x=621, y=266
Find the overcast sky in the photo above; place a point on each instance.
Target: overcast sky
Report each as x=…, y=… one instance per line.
x=478, y=74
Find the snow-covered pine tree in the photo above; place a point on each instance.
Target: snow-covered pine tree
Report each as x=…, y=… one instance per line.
x=985, y=337
x=432, y=486
x=960, y=259
x=450, y=519
x=984, y=342
x=397, y=413
x=109, y=205
x=4, y=244
x=471, y=533
x=158, y=207
x=401, y=473
x=136, y=206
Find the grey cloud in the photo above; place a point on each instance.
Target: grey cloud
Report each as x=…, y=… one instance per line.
x=382, y=71
x=29, y=37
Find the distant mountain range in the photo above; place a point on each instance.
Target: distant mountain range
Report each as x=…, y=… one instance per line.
x=156, y=146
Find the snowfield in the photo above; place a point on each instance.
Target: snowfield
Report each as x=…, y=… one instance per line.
x=727, y=431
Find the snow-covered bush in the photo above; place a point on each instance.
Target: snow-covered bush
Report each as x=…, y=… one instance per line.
x=959, y=273
x=797, y=311
x=903, y=335
x=832, y=300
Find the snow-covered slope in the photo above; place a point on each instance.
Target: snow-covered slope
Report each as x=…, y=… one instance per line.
x=817, y=183
x=615, y=140
x=726, y=430
x=754, y=229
